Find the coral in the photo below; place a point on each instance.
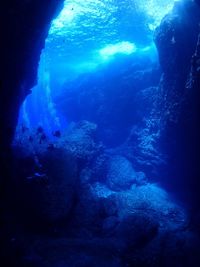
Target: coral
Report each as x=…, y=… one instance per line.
x=121, y=174
x=80, y=140
x=47, y=172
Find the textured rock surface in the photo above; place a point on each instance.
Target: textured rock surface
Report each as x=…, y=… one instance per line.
x=121, y=174
x=24, y=27
x=46, y=169
x=113, y=98
x=105, y=227
x=178, y=106
x=80, y=140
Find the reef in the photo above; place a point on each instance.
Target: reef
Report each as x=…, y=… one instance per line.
x=88, y=205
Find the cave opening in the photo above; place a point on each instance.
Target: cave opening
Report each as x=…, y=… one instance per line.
x=90, y=39
x=95, y=136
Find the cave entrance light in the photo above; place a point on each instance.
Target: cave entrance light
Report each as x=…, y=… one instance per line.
x=88, y=35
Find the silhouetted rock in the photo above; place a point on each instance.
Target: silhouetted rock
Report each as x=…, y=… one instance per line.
x=177, y=111
x=137, y=229
x=46, y=184
x=110, y=224
x=25, y=26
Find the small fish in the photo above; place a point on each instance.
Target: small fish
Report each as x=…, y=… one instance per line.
x=40, y=130
x=57, y=133
x=40, y=178
x=42, y=138
x=30, y=139
x=173, y=40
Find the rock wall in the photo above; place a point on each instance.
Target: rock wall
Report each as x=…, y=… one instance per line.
x=24, y=27
x=178, y=109
x=116, y=97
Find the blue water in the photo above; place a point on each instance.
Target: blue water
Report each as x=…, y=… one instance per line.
x=87, y=37
x=97, y=169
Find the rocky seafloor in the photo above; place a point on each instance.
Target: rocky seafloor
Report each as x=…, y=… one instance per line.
x=78, y=203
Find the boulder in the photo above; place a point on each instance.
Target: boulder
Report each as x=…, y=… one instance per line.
x=80, y=141
x=121, y=174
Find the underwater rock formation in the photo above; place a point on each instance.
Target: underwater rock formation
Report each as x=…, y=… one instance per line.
x=94, y=204
x=24, y=27
x=138, y=225
x=121, y=174
x=114, y=97
x=80, y=140
x=113, y=221
x=178, y=103
x=46, y=168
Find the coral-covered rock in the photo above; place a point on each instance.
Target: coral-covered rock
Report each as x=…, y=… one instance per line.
x=80, y=140
x=121, y=174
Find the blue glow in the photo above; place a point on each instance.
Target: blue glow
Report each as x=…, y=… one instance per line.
x=126, y=48
x=86, y=36
x=89, y=31
x=155, y=10
x=66, y=16
x=74, y=9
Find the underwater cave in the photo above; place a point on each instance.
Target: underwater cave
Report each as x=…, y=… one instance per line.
x=99, y=133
